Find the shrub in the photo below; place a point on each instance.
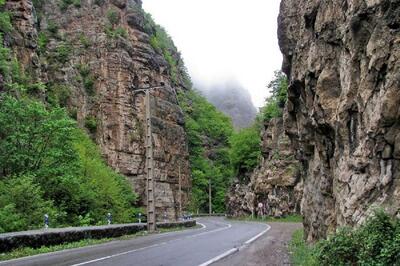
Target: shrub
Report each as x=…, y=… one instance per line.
x=376, y=242
x=85, y=41
x=91, y=124
x=84, y=70
x=5, y=22
x=42, y=42
x=117, y=32
x=77, y=3
x=113, y=16
x=5, y=57
x=58, y=95
x=63, y=52
x=52, y=27
x=64, y=4
x=88, y=84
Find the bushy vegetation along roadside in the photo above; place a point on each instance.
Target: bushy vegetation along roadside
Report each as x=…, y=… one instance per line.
x=376, y=242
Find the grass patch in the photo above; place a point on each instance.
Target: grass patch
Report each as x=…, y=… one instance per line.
x=301, y=254
x=286, y=219
x=27, y=251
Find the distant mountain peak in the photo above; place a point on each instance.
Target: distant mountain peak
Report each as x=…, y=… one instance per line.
x=233, y=100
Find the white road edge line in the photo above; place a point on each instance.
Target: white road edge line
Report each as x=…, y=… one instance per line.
x=220, y=257
x=152, y=246
x=202, y=225
x=233, y=250
x=91, y=246
x=257, y=236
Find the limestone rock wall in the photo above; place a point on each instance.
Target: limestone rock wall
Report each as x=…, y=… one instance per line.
x=275, y=182
x=343, y=116
x=100, y=74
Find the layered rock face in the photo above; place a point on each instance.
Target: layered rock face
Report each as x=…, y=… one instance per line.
x=342, y=59
x=98, y=53
x=275, y=182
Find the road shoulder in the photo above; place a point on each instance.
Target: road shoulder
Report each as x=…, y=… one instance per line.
x=270, y=249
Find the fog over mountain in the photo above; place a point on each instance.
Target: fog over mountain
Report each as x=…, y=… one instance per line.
x=233, y=100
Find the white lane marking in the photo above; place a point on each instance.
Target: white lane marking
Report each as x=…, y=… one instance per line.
x=202, y=225
x=257, y=236
x=152, y=246
x=74, y=249
x=233, y=250
x=219, y=257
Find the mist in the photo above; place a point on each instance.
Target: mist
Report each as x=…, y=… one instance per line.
x=223, y=40
x=231, y=98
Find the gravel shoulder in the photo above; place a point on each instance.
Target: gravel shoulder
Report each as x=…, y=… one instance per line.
x=270, y=249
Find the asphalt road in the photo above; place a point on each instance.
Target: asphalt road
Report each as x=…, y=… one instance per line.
x=218, y=237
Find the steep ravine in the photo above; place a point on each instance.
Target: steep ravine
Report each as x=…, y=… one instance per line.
x=95, y=55
x=342, y=114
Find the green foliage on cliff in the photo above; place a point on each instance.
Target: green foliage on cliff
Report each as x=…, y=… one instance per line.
x=208, y=133
x=245, y=152
x=5, y=19
x=163, y=44
x=47, y=164
x=41, y=148
x=376, y=242
x=276, y=102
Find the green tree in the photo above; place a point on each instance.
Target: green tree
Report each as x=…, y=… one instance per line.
x=276, y=102
x=33, y=138
x=245, y=151
x=42, y=148
x=22, y=204
x=208, y=132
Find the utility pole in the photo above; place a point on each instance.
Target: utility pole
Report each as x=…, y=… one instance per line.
x=180, y=192
x=151, y=212
x=209, y=197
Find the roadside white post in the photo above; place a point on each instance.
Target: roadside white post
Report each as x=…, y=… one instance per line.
x=46, y=221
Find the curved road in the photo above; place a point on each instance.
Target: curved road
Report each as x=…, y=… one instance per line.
x=202, y=246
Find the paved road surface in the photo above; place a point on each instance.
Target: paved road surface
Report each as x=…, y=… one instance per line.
x=189, y=247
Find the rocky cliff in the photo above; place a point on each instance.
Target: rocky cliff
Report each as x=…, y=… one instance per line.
x=93, y=55
x=342, y=114
x=275, y=182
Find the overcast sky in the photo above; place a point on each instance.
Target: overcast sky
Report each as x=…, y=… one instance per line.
x=224, y=39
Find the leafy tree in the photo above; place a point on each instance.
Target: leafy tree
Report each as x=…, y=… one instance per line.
x=208, y=133
x=33, y=138
x=48, y=165
x=245, y=151
x=276, y=102
x=278, y=87
x=23, y=205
